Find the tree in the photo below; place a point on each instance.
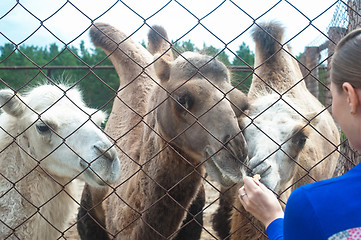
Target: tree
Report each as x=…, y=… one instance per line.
x=98, y=86
x=184, y=46
x=244, y=57
x=220, y=54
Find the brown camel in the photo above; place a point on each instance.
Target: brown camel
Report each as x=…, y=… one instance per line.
x=192, y=226
x=171, y=121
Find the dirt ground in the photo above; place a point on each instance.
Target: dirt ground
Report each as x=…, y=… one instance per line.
x=209, y=208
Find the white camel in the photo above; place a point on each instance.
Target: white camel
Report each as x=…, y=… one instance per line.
x=292, y=139
x=48, y=138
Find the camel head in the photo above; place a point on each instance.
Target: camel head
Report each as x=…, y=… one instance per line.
x=197, y=114
x=278, y=134
x=55, y=130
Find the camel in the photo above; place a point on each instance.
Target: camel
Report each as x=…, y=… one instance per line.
x=158, y=43
x=192, y=226
x=176, y=122
x=292, y=139
x=49, y=137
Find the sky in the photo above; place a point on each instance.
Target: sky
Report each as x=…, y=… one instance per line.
x=42, y=22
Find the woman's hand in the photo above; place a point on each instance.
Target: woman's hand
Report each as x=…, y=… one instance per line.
x=260, y=201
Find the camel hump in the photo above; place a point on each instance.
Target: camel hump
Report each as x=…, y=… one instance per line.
x=158, y=43
x=268, y=37
x=157, y=37
x=128, y=57
x=106, y=36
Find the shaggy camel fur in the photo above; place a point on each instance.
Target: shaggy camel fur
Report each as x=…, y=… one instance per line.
x=47, y=140
x=192, y=225
x=292, y=138
x=176, y=121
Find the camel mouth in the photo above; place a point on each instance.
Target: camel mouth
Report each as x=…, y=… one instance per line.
x=217, y=174
x=90, y=177
x=93, y=178
x=100, y=177
x=267, y=175
x=261, y=169
x=226, y=172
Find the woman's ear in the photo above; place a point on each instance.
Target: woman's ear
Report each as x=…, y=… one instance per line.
x=353, y=97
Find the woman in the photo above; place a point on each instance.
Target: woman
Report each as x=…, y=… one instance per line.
x=329, y=209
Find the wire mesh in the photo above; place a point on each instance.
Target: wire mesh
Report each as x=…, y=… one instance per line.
x=59, y=171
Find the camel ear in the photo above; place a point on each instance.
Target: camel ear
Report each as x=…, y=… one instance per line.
x=311, y=116
x=11, y=103
x=162, y=68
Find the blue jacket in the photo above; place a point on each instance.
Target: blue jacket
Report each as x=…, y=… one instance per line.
x=329, y=209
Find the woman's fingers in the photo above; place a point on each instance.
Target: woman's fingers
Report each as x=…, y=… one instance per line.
x=243, y=197
x=242, y=193
x=259, y=201
x=251, y=184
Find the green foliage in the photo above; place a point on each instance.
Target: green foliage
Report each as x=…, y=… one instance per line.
x=185, y=46
x=244, y=57
x=99, y=86
x=322, y=75
x=220, y=54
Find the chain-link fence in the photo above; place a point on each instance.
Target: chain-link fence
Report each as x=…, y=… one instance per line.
x=183, y=128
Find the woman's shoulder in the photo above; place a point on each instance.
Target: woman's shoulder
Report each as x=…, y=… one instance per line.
x=326, y=207
x=338, y=188
x=351, y=178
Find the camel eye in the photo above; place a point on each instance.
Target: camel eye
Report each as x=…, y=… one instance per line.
x=42, y=128
x=300, y=139
x=185, y=100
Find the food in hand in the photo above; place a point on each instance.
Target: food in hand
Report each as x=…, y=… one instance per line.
x=257, y=177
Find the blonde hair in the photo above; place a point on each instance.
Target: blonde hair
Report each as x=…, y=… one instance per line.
x=346, y=61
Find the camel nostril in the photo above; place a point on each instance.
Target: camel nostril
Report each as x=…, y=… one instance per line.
x=105, y=152
x=237, y=145
x=226, y=139
x=265, y=171
x=84, y=164
x=262, y=169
